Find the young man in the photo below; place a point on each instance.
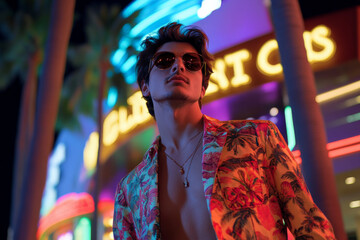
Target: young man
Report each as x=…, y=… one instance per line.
x=203, y=178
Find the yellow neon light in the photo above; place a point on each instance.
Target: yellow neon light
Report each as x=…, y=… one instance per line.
x=262, y=61
x=338, y=92
x=140, y=112
x=354, y=204
x=120, y=121
x=91, y=151
x=124, y=120
x=218, y=75
x=350, y=180
x=237, y=59
x=111, y=128
x=116, y=122
x=319, y=36
x=212, y=88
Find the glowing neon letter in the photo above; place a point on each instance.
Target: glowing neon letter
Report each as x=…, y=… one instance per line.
x=218, y=75
x=319, y=36
x=111, y=130
x=237, y=60
x=90, y=151
x=262, y=61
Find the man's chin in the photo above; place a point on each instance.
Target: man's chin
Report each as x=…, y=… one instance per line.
x=175, y=97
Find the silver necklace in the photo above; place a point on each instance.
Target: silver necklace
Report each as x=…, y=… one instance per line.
x=182, y=171
x=181, y=166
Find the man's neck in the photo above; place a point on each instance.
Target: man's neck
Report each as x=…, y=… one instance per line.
x=178, y=125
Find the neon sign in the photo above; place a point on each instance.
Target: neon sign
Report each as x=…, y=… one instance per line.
x=118, y=121
x=52, y=178
x=318, y=37
x=67, y=207
x=319, y=47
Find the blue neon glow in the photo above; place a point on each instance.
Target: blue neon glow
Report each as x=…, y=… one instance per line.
x=117, y=56
x=135, y=5
x=130, y=78
x=207, y=7
x=163, y=10
x=129, y=64
x=141, y=26
x=112, y=97
x=52, y=178
x=152, y=15
x=187, y=13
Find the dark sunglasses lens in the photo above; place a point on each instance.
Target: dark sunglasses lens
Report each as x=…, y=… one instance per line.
x=192, y=62
x=164, y=60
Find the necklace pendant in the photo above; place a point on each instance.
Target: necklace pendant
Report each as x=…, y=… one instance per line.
x=182, y=171
x=186, y=183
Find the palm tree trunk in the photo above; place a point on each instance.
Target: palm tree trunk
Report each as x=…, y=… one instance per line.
x=24, y=132
x=308, y=120
x=47, y=107
x=104, y=66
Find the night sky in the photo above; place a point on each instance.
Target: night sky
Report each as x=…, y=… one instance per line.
x=10, y=97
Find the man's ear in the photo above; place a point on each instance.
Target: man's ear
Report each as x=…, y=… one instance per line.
x=203, y=90
x=145, y=89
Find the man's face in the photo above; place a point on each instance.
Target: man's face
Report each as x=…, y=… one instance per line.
x=177, y=82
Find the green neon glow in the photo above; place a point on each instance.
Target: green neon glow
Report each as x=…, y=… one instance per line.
x=353, y=118
x=83, y=229
x=290, y=128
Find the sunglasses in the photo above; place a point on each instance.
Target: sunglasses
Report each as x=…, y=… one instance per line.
x=163, y=60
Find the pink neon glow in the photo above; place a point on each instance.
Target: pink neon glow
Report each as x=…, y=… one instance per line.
x=105, y=204
x=296, y=153
x=337, y=148
x=66, y=207
x=343, y=142
x=344, y=151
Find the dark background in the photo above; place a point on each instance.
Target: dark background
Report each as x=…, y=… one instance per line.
x=10, y=97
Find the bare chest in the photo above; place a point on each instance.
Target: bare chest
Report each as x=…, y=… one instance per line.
x=183, y=210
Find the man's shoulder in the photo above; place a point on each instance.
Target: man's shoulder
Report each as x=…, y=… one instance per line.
x=147, y=166
x=246, y=124
x=243, y=126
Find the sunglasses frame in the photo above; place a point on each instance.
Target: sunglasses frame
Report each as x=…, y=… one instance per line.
x=152, y=64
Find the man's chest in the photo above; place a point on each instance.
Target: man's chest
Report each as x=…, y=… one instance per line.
x=183, y=210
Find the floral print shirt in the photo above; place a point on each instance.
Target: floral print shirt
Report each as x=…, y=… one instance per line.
x=253, y=187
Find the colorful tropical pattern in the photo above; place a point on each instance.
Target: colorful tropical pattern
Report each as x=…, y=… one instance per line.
x=253, y=187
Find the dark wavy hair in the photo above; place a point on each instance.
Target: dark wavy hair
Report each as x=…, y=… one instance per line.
x=173, y=32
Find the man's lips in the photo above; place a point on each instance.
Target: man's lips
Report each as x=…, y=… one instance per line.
x=178, y=78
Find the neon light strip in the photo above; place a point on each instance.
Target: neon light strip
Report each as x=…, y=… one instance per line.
x=296, y=153
x=338, y=148
x=344, y=151
x=290, y=128
x=67, y=207
x=338, y=92
x=343, y=142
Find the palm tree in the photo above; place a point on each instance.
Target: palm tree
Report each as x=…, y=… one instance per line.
x=90, y=80
x=50, y=83
x=24, y=28
x=308, y=120
x=91, y=61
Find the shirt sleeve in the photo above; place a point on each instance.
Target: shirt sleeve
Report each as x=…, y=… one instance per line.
x=123, y=224
x=301, y=215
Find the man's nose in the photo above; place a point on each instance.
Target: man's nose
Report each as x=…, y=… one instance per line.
x=178, y=65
